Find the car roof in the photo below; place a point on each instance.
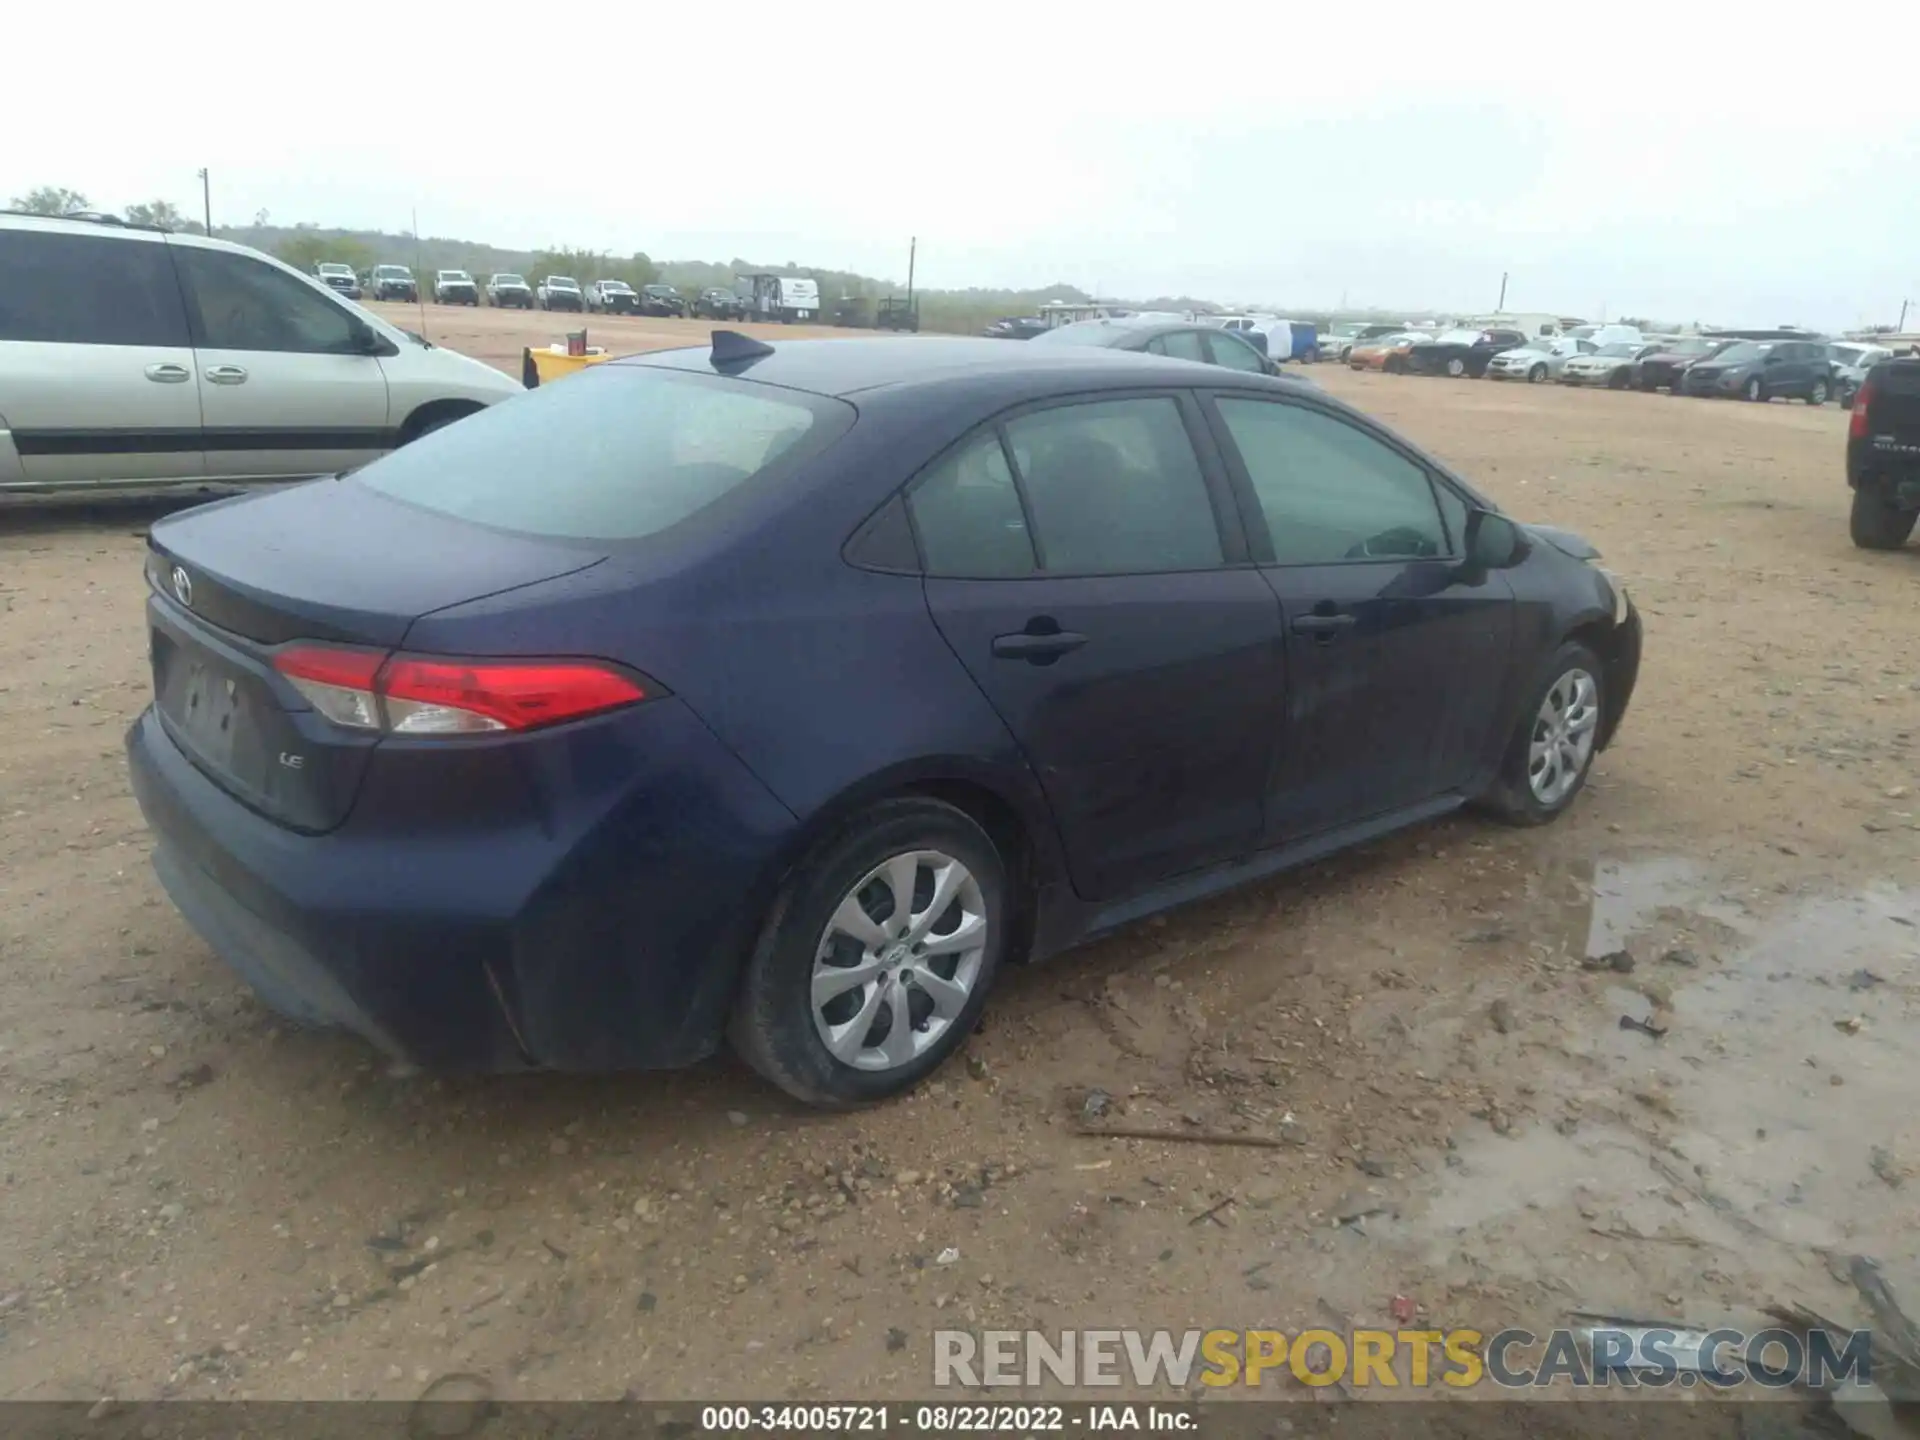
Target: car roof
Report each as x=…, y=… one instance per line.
x=850, y=367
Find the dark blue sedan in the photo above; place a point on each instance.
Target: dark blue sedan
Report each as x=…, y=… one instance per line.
x=784, y=694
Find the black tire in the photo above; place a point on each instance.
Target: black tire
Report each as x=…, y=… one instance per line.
x=1617, y=380
x=1756, y=391
x=1511, y=797
x=772, y=1027
x=1818, y=394
x=1537, y=375
x=1456, y=367
x=1876, y=523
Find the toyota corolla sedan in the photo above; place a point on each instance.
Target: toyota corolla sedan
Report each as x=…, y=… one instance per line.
x=782, y=696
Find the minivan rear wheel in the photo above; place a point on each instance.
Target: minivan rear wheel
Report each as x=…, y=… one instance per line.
x=876, y=961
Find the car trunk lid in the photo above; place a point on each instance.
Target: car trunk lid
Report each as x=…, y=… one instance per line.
x=235, y=582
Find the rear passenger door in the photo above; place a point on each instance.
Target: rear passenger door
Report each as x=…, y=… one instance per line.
x=96, y=370
x=286, y=387
x=1085, y=563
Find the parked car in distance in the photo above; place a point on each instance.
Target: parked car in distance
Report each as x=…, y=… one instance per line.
x=1461, y=353
x=1341, y=339
x=1610, y=365
x=339, y=277
x=1176, y=340
x=659, y=299
x=601, y=839
x=509, y=292
x=1850, y=361
x=559, y=292
x=1883, y=454
x=1538, y=360
x=455, y=287
x=1764, y=370
x=718, y=303
x=393, y=282
x=1386, y=352
x=1662, y=367
x=612, y=297
x=134, y=357
x=1016, y=327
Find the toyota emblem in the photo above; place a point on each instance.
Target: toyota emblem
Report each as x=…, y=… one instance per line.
x=183, y=585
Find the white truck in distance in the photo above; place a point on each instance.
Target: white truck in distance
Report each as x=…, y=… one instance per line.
x=786, y=298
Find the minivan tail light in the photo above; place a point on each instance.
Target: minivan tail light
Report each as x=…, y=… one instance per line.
x=1857, y=422
x=428, y=695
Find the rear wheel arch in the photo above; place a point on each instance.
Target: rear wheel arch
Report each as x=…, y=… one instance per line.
x=1019, y=828
x=434, y=414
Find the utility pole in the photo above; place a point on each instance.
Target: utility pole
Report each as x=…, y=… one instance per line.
x=1501, y=308
x=1901, y=327
x=206, y=199
x=913, y=249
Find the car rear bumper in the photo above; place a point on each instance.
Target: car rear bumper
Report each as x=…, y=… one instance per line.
x=594, y=928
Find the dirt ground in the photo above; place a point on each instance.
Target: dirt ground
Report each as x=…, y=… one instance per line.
x=199, y=1201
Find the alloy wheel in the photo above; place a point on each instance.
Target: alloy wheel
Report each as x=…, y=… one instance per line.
x=898, y=960
x=1563, y=734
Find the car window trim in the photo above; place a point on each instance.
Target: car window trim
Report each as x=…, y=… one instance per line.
x=1235, y=550
x=1259, y=534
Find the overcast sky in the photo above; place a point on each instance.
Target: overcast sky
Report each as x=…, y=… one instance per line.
x=1673, y=160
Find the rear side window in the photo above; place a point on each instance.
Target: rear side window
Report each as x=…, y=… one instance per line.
x=1178, y=345
x=967, y=514
x=1115, y=488
x=1235, y=354
x=65, y=289
x=617, y=453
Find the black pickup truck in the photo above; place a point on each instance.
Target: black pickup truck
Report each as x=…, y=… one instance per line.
x=1883, y=455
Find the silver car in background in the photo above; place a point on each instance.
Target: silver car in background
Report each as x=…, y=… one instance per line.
x=1611, y=365
x=1539, y=361
x=1851, y=361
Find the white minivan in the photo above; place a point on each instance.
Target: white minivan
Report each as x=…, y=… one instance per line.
x=130, y=356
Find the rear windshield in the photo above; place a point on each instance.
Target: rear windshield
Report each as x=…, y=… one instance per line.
x=614, y=453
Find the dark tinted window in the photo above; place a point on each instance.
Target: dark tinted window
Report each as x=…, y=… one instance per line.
x=87, y=290
x=1115, y=488
x=967, y=514
x=1330, y=491
x=1181, y=345
x=617, y=453
x=247, y=304
x=1234, y=353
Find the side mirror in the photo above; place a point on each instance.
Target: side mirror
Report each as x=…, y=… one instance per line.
x=1493, y=542
x=368, y=341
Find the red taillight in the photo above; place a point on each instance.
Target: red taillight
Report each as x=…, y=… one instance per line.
x=429, y=697
x=424, y=695
x=1863, y=397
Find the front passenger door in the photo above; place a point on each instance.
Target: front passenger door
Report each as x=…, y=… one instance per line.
x=1080, y=563
x=1397, y=662
x=285, y=387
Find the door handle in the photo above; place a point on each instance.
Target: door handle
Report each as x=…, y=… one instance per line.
x=226, y=374
x=1037, y=648
x=1322, y=627
x=169, y=374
